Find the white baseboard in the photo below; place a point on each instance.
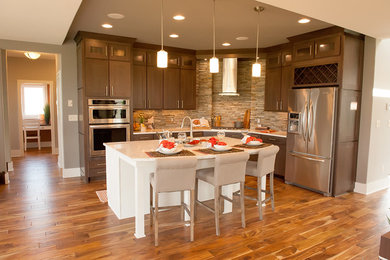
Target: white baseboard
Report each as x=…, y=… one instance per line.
x=17, y=153
x=10, y=166
x=371, y=187
x=71, y=172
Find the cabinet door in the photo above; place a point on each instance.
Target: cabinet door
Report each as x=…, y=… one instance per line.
x=139, y=57
x=188, y=62
x=273, y=78
x=119, y=52
x=96, y=78
x=280, y=161
x=173, y=60
x=151, y=58
x=172, y=88
x=139, y=87
x=303, y=51
x=96, y=49
x=286, y=57
x=273, y=60
x=326, y=47
x=154, y=87
x=120, y=80
x=286, y=84
x=188, y=89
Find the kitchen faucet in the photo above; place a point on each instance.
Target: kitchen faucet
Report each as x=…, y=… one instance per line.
x=182, y=125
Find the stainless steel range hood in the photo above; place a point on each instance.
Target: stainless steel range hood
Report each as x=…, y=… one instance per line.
x=229, y=80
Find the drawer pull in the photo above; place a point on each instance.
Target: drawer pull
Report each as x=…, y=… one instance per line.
x=101, y=164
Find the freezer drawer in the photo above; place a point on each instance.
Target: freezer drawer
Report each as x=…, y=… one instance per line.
x=309, y=172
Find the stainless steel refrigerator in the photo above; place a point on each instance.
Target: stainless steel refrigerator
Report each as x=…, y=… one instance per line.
x=310, y=138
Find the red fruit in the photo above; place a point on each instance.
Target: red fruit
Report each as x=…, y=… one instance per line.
x=222, y=143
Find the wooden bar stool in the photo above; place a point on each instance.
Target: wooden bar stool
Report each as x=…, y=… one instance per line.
x=229, y=169
x=265, y=165
x=170, y=175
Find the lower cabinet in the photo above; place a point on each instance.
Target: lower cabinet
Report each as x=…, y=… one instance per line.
x=143, y=137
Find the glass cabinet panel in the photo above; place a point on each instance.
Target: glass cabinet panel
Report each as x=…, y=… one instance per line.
x=327, y=47
x=303, y=51
x=96, y=49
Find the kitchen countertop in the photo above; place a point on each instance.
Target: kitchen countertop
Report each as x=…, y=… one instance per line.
x=201, y=129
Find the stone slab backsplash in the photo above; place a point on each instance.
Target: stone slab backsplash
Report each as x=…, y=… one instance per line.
x=230, y=108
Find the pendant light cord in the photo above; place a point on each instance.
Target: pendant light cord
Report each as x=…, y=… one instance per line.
x=257, y=39
x=213, y=28
x=162, y=25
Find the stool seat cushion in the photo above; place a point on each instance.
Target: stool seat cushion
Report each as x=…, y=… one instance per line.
x=251, y=169
x=206, y=175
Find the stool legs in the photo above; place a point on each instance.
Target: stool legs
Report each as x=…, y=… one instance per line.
x=192, y=213
x=271, y=186
x=216, y=209
x=182, y=204
x=155, y=219
x=151, y=206
x=242, y=203
x=259, y=199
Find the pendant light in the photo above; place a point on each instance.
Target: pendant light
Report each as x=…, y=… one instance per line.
x=214, y=62
x=256, y=67
x=162, y=56
x=32, y=55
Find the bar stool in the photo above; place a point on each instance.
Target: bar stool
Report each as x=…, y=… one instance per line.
x=170, y=175
x=265, y=165
x=229, y=169
x=32, y=125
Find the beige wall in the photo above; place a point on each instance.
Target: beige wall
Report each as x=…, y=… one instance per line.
x=25, y=69
x=374, y=141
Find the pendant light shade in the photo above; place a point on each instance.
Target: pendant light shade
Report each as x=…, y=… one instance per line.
x=256, y=67
x=162, y=56
x=162, y=59
x=256, y=70
x=214, y=65
x=32, y=55
x=214, y=62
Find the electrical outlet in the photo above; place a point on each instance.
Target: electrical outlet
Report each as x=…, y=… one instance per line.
x=378, y=123
x=72, y=118
x=70, y=103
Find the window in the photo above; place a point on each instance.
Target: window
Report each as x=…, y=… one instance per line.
x=34, y=98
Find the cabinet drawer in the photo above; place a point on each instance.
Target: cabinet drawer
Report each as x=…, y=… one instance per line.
x=272, y=139
x=197, y=134
x=143, y=137
x=97, y=172
x=209, y=133
x=97, y=162
x=234, y=135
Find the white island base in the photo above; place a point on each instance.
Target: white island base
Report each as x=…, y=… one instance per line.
x=128, y=170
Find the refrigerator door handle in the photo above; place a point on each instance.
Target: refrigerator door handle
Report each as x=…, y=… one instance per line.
x=306, y=157
x=304, y=122
x=311, y=120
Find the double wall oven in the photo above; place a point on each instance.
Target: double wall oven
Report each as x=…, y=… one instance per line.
x=109, y=121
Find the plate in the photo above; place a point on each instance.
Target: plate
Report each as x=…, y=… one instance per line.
x=221, y=148
x=170, y=152
x=254, y=143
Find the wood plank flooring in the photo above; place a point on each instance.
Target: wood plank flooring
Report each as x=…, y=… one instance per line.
x=43, y=216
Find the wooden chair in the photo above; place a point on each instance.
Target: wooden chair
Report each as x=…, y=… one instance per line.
x=229, y=169
x=170, y=175
x=32, y=125
x=265, y=165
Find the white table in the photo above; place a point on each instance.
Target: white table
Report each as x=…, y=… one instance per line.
x=128, y=168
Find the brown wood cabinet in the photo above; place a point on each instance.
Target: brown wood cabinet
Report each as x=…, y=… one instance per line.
x=172, y=98
x=188, y=88
x=303, y=51
x=273, y=60
x=120, y=80
x=96, y=78
x=273, y=81
x=317, y=48
x=96, y=49
x=119, y=52
x=154, y=86
x=188, y=62
x=139, y=87
x=139, y=57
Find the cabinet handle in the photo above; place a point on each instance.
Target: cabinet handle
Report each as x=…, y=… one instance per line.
x=315, y=49
x=145, y=103
x=106, y=51
x=112, y=51
x=101, y=164
x=281, y=104
x=106, y=90
x=182, y=104
x=101, y=172
x=277, y=105
x=112, y=90
x=310, y=49
x=178, y=104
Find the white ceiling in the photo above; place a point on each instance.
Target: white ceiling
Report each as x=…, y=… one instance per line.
x=20, y=54
x=233, y=18
x=367, y=17
x=43, y=21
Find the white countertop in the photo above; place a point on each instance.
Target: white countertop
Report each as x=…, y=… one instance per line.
x=136, y=150
x=176, y=130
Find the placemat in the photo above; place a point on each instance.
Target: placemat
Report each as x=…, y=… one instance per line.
x=252, y=147
x=155, y=154
x=209, y=151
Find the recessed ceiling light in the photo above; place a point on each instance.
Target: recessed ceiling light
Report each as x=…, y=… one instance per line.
x=32, y=55
x=174, y=35
x=116, y=16
x=107, y=25
x=226, y=44
x=304, y=20
x=179, y=17
x=242, y=38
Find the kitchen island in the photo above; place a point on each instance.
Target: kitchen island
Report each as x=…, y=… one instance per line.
x=128, y=171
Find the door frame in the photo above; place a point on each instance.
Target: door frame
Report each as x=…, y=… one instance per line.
x=53, y=130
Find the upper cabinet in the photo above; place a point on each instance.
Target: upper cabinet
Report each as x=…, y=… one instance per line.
x=119, y=52
x=169, y=88
x=317, y=48
x=96, y=49
x=273, y=60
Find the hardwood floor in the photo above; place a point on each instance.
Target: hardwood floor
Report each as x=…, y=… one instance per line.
x=43, y=216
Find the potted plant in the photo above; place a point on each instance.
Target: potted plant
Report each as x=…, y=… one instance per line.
x=46, y=112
